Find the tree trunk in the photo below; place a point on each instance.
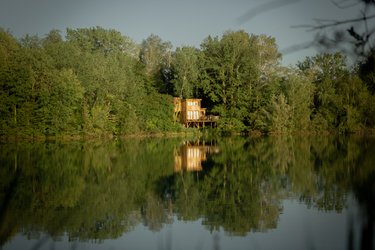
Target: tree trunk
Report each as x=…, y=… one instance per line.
x=15, y=115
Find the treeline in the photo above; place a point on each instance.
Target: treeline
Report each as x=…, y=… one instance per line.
x=97, y=81
x=92, y=83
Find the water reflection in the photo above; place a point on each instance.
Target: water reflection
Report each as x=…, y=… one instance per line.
x=92, y=192
x=190, y=155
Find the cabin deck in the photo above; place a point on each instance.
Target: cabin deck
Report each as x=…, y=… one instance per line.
x=207, y=121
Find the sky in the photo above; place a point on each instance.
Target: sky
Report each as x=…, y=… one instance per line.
x=182, y=22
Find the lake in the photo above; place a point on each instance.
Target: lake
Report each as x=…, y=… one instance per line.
x=284, y=192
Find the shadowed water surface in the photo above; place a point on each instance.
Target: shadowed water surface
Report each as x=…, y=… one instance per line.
x=222, y=193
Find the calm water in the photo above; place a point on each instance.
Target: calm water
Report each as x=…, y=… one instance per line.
x=223, y=193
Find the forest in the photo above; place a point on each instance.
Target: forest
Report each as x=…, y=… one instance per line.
x=99, y=82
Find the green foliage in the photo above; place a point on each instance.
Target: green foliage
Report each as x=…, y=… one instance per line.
x=229, y=72
x=63, y=104
x=101, y=40
x=185, y=68
x=228, y=125
x=340, y=97
x=156, y=56
x=367, y=71
x=157, y=113
x=91, y=83
x=299, y=92
x=280, y=114
x=98, y=82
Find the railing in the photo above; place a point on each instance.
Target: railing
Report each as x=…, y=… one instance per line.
x=211, y=117
x=207, y=118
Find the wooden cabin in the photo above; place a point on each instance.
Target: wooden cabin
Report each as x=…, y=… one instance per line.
x=190, y=113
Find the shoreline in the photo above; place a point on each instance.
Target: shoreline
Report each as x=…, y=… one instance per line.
x=67, y=138
x=196, y=132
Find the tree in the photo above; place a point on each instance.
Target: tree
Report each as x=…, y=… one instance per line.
x=280, y=114
x=156, y=55
x=10, y=92
x=229, y=72
x=326, y=72
x=269, y=56
x=185, y=68
x=357, y=104
x=64, y=104
x=299, y=92
x=367, y=71
x=102, y=40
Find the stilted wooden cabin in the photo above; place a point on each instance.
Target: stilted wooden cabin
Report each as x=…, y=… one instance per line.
x=190, y=114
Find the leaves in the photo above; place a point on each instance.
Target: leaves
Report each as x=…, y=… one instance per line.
x=97, y=81
x=91, y=83
x=185, y=68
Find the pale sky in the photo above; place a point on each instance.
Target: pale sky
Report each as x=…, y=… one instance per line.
x=182, y=22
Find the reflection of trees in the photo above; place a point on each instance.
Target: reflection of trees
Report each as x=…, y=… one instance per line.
x=98, y=191
x=154, y=212
x=240, y=189
x=239, y=192
x=234, y=193
x=91, y=191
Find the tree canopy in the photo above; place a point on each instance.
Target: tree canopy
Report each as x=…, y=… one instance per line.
x=96, y=81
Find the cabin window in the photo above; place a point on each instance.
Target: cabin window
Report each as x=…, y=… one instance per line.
x=192, y=103
x=196, y=115
x=193, y=115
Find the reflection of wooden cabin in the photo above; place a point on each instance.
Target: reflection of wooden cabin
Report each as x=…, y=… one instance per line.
x=190, y=113
x=191, y=155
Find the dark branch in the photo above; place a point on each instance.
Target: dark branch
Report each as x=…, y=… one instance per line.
x=297, y=47
x=341, y=4
x=263, y=8
x=333, y=23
